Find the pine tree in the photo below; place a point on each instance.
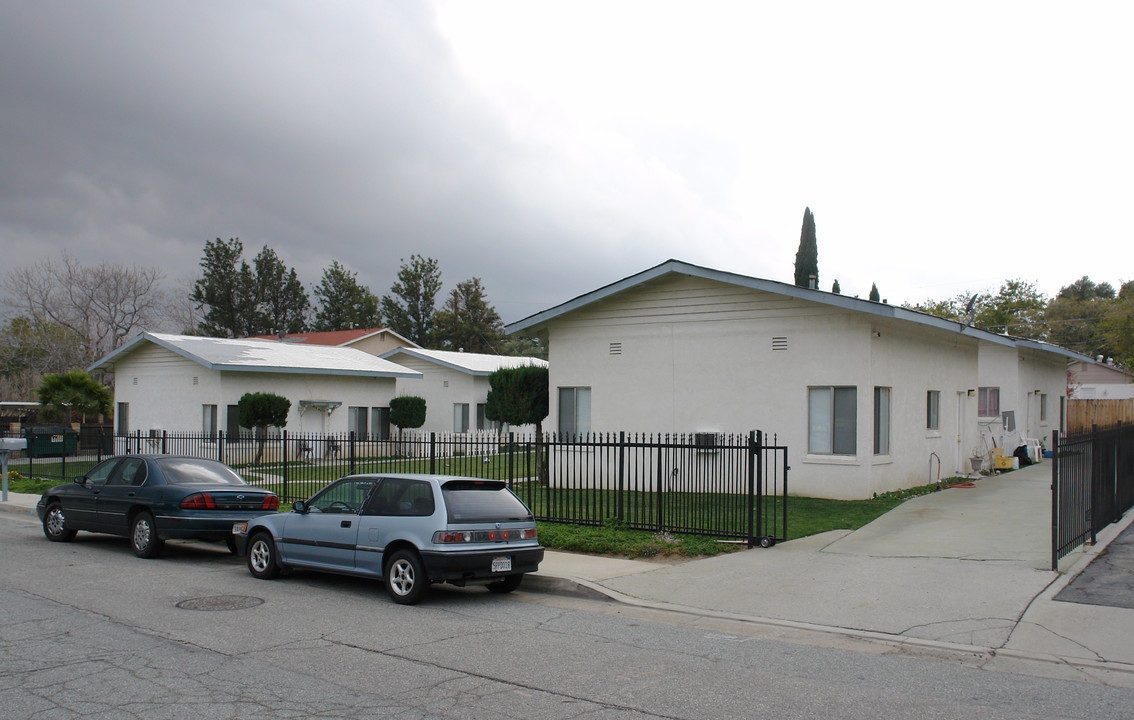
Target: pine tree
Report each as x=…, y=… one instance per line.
x=807, y=257
x=344, y=303
x=875, y=296
x=409, y=306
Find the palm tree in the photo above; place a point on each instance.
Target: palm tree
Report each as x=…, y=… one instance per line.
x=74, y=392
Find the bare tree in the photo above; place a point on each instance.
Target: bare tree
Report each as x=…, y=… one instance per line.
x=98, y=306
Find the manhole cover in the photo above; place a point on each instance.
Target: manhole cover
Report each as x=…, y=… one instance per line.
x=220, y=602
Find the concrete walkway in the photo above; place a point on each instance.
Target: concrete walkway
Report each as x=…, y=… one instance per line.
x=963, y=571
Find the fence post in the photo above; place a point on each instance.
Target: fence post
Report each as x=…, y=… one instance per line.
x=432, y=453
x=619, y=507
x=660, y=488
x=163, y=440
x=283, y=450
x=350, y=440
x=753, y=469
x=220, y=446
x=1055, y=501
x=511, y=460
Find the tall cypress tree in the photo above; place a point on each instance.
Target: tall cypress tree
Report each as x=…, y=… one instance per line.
x=807, y=257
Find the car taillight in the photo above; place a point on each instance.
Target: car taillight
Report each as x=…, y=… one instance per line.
x=449, y=537
x=198, y=501
x=271, y=502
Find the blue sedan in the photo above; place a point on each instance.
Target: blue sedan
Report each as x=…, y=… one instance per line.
x=152, y=498
x=408, y=530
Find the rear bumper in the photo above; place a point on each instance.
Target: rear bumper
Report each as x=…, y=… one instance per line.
x=477, y=565
x=212, y=527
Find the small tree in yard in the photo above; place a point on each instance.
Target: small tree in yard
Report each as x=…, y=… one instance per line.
x=407, y=411
x=260, y=410
x=519, y=396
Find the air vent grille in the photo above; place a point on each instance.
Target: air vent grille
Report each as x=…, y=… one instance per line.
x=779, y=344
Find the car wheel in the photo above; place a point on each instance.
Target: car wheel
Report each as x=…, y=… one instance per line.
x=405, y=578
x=55, y=524
x=230, y=543
x=506, y=584
x=262, y=557
x=143, y=536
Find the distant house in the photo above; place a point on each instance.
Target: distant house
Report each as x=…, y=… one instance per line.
x=454, y=385
x=867, y=397
x=375, y=341
x=1099, y=381
x=181, y=383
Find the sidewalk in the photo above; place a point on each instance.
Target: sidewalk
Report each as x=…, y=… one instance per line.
x=964, y=570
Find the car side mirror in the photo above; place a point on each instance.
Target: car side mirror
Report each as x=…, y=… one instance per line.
x=300, y=506
x=81, y=480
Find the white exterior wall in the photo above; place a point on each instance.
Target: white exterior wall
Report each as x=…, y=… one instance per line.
x=1024, y=378
x=167, y=392
x=698, y=356
x=442, y=388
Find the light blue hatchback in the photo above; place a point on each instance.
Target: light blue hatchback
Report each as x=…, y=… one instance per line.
x=409, y=530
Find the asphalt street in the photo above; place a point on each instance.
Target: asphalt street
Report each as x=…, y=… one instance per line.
x=90, y=631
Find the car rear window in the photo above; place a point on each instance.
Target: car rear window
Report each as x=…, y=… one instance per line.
x=188, y=471
x=469, y=502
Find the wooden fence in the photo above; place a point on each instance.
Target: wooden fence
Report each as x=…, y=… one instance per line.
x=1082, y=415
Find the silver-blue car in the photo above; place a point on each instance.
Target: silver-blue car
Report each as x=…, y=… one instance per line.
x=409, y=530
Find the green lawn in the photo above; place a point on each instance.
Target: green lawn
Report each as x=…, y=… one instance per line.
x=603, y=533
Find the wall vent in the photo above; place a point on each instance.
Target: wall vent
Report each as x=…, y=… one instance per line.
x=616, y=348
x=779, y=344
x=196, y=380
x=135, y=381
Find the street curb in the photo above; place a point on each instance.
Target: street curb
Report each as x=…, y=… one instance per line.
x=587, y=589
x=8, y=507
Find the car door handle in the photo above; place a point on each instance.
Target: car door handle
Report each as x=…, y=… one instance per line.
x=345, y=523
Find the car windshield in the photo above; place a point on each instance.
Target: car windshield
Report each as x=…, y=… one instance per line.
x=482, y=502
x=189, y=471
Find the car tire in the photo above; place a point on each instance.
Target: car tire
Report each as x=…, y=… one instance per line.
x=506, y=584
x=144, y=539
x=262, y=557
x=405, y=578
x=55, y=524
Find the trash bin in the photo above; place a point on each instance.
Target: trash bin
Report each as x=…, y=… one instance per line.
x=51, y=440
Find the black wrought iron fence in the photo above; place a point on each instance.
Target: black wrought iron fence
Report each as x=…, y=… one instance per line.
x=727, y=486
x=1092, y=484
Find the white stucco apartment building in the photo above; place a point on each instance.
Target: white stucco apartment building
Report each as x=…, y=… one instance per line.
x=868, y=397
x=180, y=383
x=454, y=385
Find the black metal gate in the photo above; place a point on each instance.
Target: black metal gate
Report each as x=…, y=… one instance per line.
x=1092, y=485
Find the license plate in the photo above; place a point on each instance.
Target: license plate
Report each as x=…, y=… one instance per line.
x=502, y=564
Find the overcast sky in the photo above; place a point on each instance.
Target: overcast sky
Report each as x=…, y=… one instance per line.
x=551, y=148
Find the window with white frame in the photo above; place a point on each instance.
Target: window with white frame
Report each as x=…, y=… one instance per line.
x=209, y=421
x=1043, y=407
x=881, y=421
x=460, y=417
x=933, y=410
x=356, y=420
x=832, y=419
x=482, y=421
x=122, y=418
x=575, y=410
x=380, y=422
x=988, y=402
